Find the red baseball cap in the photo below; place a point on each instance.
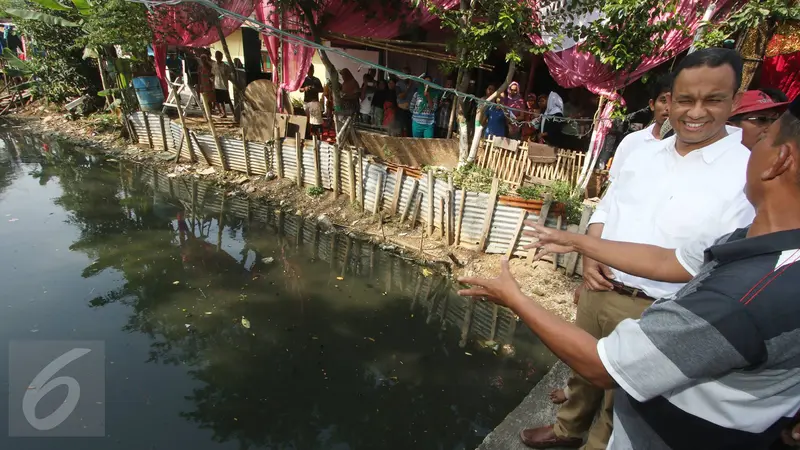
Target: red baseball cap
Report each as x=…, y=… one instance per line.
x=755, y=101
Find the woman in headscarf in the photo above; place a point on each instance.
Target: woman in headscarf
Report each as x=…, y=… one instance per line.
x=350, y=93
x=513, y=99
x=423, y=110
x=552, y=121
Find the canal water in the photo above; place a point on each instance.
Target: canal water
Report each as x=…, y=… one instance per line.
x=230, y=324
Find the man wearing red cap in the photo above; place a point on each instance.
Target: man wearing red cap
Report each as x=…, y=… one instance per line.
x=755, y=113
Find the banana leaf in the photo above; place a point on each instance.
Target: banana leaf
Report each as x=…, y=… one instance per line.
x=52, y=4
x=41, y=17
x=24, y=67
x=84, y=7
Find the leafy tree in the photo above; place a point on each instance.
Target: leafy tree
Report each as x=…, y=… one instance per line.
x=748, y=15
x=479, y=28
x=754, y=22
x=627, y=34
x=61, y=34
x=57, y=61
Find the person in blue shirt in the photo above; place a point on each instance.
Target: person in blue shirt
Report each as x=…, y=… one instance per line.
x=495, y=120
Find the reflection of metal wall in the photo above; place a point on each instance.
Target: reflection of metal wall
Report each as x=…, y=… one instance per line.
x=348, y=256
x=504, y=219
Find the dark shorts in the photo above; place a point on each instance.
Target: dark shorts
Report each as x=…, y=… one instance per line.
x=222, y=96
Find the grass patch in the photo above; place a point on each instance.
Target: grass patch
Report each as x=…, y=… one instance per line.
x=314, y=191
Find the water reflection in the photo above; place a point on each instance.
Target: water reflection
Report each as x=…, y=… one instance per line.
x=285, y=335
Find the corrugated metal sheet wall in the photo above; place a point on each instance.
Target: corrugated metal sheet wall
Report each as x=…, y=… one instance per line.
x=504, y=219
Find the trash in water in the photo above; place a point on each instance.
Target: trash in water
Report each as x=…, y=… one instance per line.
x=267, y=260
x=176, y=282
x=245, y=322
x=340, y=278
x=426, y=272
x=206, y=171
x=208, y=313
x=13, y=220
x=468, y=353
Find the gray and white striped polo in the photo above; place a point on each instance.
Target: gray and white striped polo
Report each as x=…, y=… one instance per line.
x=718, y=365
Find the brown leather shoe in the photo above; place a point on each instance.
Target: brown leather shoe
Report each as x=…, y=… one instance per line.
x=545, y=437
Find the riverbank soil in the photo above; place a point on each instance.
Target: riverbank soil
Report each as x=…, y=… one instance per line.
x=551, y=288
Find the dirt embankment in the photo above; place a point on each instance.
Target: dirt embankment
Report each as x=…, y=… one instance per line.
x=551, y=288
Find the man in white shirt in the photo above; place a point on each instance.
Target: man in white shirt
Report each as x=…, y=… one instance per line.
x=689, y=188
x=637, y=140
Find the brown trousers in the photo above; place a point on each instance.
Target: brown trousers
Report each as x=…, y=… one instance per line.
x=599, y=312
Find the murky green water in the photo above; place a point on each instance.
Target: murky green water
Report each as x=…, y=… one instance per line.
x=230, y=325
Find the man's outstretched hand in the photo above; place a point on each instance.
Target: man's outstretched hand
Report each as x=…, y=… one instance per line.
x=552, y=241
x=503, y=289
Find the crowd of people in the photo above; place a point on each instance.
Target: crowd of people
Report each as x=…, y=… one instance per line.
x=212, y=78
x=402, y=107
x=687, y=320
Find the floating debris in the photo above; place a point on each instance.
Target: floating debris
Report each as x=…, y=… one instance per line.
x=13, y=220
x=340, y=278
x=267, y=260
x=176, y=282
x=245, y=322
x=207, y=171
x=426, y=272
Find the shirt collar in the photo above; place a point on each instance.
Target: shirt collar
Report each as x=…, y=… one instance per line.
x=739, y=246
x=649, y=136
x=711, y=152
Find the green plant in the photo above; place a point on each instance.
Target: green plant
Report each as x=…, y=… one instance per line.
x=314, y=191
x=70, y=41
x=562, y=192
x=531, y=192
x=472, y=178
x=751, y=14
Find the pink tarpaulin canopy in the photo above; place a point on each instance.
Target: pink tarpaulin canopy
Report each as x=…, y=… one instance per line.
x=191, y=25
x=571, y=68
x=338, y=16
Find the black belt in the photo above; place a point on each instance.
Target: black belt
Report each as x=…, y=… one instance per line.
x=627, y=291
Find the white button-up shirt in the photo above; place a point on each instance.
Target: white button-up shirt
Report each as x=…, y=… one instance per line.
x=631, y=143
x=664, y=199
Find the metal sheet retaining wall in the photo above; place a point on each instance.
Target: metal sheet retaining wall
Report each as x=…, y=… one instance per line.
x=263, y=158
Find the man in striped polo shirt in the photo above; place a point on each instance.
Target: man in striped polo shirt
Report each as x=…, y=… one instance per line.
x=717, y=365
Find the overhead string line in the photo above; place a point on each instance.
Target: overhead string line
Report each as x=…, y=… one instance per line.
x=284, y=35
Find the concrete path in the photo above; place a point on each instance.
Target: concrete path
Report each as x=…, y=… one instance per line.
x=536, y=410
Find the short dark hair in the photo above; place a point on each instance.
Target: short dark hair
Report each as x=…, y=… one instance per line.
x=789, y=132
x=712, y=57
x=663, y=84
x=776, y=95
x=789, y=129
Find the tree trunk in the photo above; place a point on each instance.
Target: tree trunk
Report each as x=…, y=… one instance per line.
x=591, y=157
x=103, y=82
x=454, y=106
x=701, y=30
x=476, y=138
